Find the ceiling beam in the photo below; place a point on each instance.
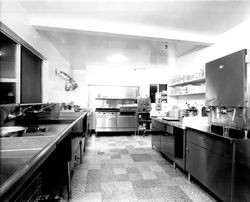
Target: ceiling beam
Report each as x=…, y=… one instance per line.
x=122, y=29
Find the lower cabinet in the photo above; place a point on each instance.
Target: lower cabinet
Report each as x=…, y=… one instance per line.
x=156, y=139
x=167, y=145
x=157, y=129
x=211, y=169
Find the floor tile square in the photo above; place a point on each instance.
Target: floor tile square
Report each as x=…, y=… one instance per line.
x=145, y=184
x=143, y=194
x=122, y=177
x=148, y=175
x=135, y=176
x=116, y=156
x=96, y=187
x=119, y=171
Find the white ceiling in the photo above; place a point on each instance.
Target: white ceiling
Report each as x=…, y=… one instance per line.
x=84, y=30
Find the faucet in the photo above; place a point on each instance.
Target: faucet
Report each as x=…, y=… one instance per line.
x=11, y=114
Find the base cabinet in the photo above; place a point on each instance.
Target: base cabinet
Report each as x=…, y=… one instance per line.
x=156, y=140
x=210, y=161
x=210, y=169
x=167, y=145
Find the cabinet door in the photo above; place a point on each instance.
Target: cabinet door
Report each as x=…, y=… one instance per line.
x=106, y=121
x=167, y=145
x=210, y=169
x=180, y=146
x=126, y=121
x=156, y=139
x=31, y=85
x=8, y=70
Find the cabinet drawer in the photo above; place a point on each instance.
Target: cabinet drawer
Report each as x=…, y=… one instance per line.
x=158, y=125
x=220, y=147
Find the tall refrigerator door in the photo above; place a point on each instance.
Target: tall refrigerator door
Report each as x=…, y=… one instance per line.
x=225, y=80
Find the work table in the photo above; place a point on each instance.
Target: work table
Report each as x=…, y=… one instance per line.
x=21, y=156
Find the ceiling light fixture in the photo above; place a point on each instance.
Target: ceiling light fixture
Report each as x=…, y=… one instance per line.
x=117, y=58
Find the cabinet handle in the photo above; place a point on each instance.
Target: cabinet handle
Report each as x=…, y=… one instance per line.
x=187, y=150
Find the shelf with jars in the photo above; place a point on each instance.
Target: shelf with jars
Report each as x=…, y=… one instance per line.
x=188, y=89
x=198, y=80
x=188, y=84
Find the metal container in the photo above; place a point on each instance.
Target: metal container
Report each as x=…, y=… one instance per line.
x=12, y=131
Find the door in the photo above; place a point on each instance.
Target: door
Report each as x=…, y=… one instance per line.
x=167, y=145
x=31, y=72
x=210, y=169
x=106, y=121
x=126, y=121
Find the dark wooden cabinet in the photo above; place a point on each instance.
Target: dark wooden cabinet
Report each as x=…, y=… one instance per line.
x=31, y=75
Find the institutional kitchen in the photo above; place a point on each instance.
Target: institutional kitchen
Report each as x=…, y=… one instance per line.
x=124, y=100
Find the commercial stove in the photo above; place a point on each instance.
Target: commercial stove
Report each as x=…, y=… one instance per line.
x=116, y=119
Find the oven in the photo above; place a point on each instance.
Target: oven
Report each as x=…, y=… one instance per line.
x=127, y=118
x=106, y=119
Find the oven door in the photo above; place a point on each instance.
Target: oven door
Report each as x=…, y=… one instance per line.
x=126, y=121
x=105, y=121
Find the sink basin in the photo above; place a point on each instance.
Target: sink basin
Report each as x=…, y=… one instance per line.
x=12, y=131
x=39, y=134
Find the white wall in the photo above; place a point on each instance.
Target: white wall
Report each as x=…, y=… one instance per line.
x=95, y=75
x=15, y=18
x=231, y=41
x=127, y=74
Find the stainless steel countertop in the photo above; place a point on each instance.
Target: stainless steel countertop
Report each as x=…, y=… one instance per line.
x=178, y=124
x=21, y=156
x=201, y=128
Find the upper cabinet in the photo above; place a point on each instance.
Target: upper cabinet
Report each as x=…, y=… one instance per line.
x=8, y=70
x=31, y=85
x=20, y=73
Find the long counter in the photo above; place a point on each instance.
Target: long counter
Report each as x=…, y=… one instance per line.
x=219, y=162
x=199, y=127
x=22, y=156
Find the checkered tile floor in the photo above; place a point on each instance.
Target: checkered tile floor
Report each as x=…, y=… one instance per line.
x=125, y=168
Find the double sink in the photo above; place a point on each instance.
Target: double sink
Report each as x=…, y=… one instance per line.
x=24, y=142
x=43, y=127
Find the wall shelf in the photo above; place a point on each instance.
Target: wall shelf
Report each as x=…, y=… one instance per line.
x=198, y=93
x=8, y=80
x=102, y=98
x=188, y=82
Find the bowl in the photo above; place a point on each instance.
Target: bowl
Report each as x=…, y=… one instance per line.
x=12, y=131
